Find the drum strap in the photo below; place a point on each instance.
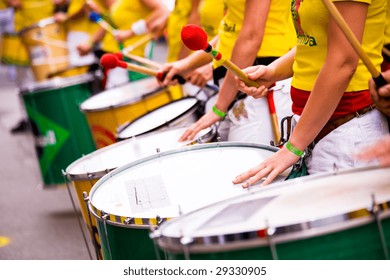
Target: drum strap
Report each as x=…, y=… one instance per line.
x=333, y=124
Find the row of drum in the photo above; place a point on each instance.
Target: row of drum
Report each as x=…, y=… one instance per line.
x=69, y=121
x=150, y=197
x=44, y=47
x=181, y=204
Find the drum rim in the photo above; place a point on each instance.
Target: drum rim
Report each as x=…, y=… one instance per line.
x=99, y=174
x=56, y=83
x=167, y=124
x=117, y=220
x=122, y=103
x=279, y=234
x=42, y=23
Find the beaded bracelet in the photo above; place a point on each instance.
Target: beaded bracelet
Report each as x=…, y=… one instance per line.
x=218, y=112
x=294, y=149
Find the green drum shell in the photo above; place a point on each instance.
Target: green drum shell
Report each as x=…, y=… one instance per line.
x=357, y=243
x=60, y=129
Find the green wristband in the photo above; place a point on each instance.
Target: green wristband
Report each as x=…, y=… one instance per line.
x=218, y=112
x=294, y=149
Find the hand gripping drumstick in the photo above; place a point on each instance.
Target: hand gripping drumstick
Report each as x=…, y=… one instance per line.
x=95, y=17
x=195, y=38
x=109, y=61
x=376, y=75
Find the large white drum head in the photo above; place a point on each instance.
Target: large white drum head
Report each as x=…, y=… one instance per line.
x=158, y=117
x=177, y=181
x=100, y=162
x=313, y=204
x=122, y=95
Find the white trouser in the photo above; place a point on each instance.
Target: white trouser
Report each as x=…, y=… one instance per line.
x=337, y=149
x=250, y=119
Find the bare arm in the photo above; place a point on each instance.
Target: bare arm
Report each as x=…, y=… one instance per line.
x=334, y=77
x=246, y=47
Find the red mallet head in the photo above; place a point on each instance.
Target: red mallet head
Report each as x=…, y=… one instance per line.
x=109, y=61
x=194, y=37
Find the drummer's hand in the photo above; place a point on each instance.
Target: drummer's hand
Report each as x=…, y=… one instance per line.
x=93, y=6
x=84, y=48
x=379, y=151
x=207, y=120
x=262, y=75
x=270, y=168
x=122, y=35
x=201, y=76
x=172, y=69
x=381, y=96
x=60, y=17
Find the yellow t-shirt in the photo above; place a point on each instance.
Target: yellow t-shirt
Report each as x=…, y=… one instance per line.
x=277, y=40
x=82, y=23
x=124, y=13
x=311, y=21
x=177, y=19
x=33, y=11
x=387, y=28
x=211, y=13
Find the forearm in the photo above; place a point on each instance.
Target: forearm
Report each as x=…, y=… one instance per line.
x=98, y=36
x=282, y=67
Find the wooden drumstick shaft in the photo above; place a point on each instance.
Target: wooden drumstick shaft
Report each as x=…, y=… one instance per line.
x=239, y=73
x=143, y=60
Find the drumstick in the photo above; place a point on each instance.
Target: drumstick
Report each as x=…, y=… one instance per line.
x=376, y=75
x=109, y=61
x=146, y=38
x=386, y=51
x=195, y=38
x=143, y=60
x=95, y=17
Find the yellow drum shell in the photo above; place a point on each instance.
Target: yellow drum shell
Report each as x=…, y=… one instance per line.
x=47, y=47
x=108, y=110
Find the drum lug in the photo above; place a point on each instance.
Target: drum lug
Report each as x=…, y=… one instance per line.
x=85, y=196
x=159, y=220
x=186, y=240
x=127, y=221
x=155, y=233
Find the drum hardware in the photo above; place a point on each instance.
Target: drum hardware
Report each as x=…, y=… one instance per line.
x=270, y=232
x=94, y=242
x=127, y=221
x=375, y=211
x=105, y=217
x=154, y=234
x=185, y=241
x=76, y=214
x=283, y=138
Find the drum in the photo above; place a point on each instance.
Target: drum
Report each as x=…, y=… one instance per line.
x=61, y=131
x=131, y=200
x=84, y=172
x=106, y=111
x=181, y=112
x=47, y=47
x=341, y=215
x=13, y=51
